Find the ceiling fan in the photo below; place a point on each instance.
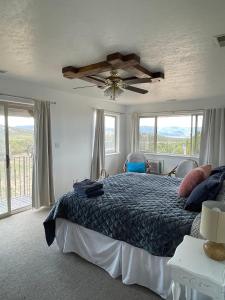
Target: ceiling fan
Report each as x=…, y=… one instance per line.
x=114, y=85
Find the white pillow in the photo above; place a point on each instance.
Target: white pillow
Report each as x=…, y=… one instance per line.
x=221, y=195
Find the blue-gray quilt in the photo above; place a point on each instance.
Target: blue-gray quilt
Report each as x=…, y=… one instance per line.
x=142, y=210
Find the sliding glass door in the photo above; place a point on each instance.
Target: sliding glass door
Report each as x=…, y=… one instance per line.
x=16, y=158
x=21, y=140
x=4, y=165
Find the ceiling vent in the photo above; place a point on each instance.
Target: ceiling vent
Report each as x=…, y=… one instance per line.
x=221, y=40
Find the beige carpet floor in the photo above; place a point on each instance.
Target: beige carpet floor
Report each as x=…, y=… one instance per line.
x=29, y=269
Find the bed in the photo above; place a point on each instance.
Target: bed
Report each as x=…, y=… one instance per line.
x=130, y=231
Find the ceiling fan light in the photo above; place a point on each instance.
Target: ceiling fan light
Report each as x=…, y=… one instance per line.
x=118, y=92
x=113, y=92
x=108, y=92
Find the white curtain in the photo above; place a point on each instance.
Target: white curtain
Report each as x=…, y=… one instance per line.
x=98, y=156
x=42, y=186
x=212, y=149
x=134, y=132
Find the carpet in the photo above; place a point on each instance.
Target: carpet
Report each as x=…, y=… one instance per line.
x=30, y=270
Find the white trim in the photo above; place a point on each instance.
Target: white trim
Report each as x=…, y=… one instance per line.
x=13, y=97
x=108, y=112
x=17, y=103
x=21, y=209
x=113, y=153
x=112, y=113
x=16, y=211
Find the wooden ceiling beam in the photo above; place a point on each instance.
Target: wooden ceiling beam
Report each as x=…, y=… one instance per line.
x=139, y=71
x=119, y=61
x=93, y=69
x=129, y=63
x=157, y=76
x=68, y=72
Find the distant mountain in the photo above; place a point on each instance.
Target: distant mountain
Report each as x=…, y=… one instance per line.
x=18, y=129
x=25, y=127
x=109, y=130
x=173, y=131
x=146, y=129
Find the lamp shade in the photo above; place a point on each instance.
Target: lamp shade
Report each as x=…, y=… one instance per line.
x=212, y=226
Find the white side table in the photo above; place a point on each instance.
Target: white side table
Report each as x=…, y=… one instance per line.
x=193, y=269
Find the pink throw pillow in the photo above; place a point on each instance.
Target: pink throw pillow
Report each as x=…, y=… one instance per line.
x=207, y=169
x=190, y=181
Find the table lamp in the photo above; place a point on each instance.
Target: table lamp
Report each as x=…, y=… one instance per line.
x=212, y=227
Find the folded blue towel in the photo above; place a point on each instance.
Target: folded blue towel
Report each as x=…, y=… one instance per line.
x=94, y=187
x=95, y=194
x=83, y=183
x=92, y=194
x=88, y=188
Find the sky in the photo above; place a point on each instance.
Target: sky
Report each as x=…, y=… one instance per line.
x=178, y=121
x=184, y=121
x=109, y=122
x=17, y=121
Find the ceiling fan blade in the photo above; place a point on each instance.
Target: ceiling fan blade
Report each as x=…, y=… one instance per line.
x=135, y=80
x=95, y=80
x=83, y=87
x=135, y=89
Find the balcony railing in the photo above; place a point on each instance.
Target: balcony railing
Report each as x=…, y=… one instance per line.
x=20, y=182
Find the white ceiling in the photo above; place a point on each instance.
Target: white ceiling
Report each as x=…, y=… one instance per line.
x=38, y=38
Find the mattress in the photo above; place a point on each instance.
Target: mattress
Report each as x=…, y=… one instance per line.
x=140, y=209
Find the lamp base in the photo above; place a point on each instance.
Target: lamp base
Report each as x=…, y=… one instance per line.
x=214, y=250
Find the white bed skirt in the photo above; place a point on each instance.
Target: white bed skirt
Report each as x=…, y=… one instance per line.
x=135, y=265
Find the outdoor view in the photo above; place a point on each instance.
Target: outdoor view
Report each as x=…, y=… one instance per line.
x=110, y=134
x=21, y=155
x=173, y=135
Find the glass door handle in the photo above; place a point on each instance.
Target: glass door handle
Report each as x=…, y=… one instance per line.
x=7, y=161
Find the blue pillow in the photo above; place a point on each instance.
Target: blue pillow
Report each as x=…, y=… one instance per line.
x=206, y=190
x=138, y=167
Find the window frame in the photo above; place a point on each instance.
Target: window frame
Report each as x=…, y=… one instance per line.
x=116, y=116
x=193, y=114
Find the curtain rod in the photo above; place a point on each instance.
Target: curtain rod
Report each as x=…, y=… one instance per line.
x=171, y=111
x=110, y=112
x=21, y=97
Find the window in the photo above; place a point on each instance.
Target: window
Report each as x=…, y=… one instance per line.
x=178, y=135
x=111, y=144
x=146, y=134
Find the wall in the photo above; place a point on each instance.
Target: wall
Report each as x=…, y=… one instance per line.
x=72, y=131
x=170, y=161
